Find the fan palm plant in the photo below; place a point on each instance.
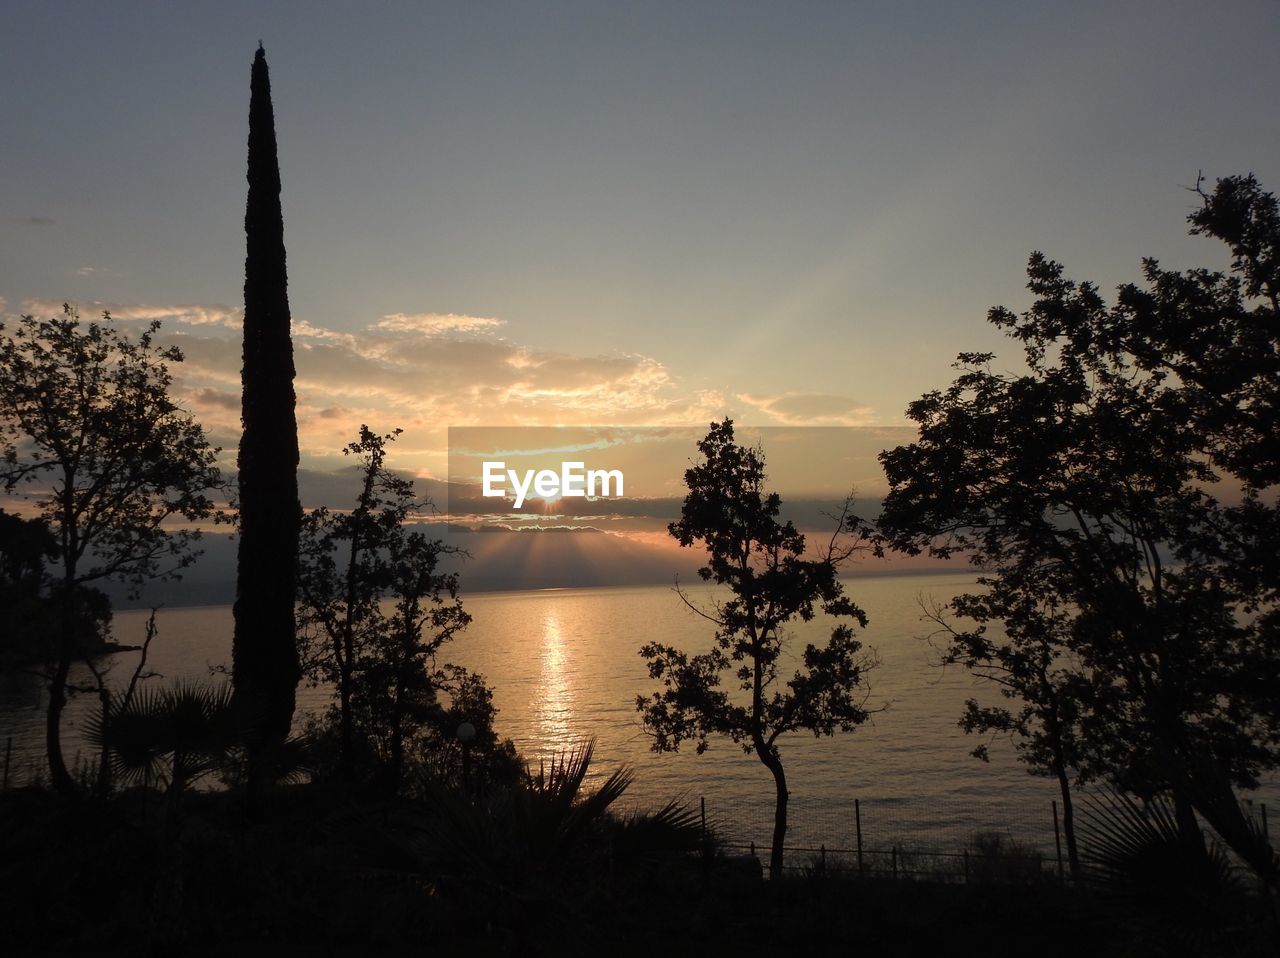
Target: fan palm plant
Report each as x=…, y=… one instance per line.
x=167, y=737
x=528, y=839
x=1134, y=845
x=510, y=835
x=1179, y=894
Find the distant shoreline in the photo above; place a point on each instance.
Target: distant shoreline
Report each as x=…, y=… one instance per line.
x=969, y=572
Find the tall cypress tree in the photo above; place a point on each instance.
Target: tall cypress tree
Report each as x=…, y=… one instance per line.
x=265, y=656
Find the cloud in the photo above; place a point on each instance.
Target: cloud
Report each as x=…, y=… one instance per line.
x=216, y=397
x=437, y=324
x=811, y=409
x=188, y=315
x=393, y=374
x=426, y=368
x=422, y=372
x=425, y=377
x=35, y=220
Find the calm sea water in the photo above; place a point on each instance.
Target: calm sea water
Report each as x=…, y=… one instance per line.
x=565, y=666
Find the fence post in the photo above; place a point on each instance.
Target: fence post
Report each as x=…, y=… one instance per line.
x=857, y=821
x=822, y=857
x=893, y=858
x=702, y=805
x=8, y=751
x=966, y=866
x=1057, y=838
x=1266, y=837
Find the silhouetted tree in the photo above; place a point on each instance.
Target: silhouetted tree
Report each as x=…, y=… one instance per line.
x=375, y=607
x=1086, y=489
x=399, y=694
x=25, y=546
x=761, y=560
x=265, y=658
x=1029, y=659
x=25, y=606
x=341, y=580
x=88, y=430
x=30, y=605
x=1214, y=337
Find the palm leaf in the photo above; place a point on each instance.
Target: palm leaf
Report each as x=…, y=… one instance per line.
x=515, y=834
x=1136, y=847
x=675, y=828
x=167, y=735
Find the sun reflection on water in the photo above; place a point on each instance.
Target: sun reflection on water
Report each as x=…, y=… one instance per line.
x=554, y=703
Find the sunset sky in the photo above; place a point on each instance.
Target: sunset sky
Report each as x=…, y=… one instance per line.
x=530, y=214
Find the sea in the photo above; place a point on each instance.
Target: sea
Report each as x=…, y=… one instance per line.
x=565, y=667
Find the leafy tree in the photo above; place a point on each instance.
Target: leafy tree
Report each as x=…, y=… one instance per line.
x=30, y=604
x=762, y=562
x=1113, y=495
x=1029, y=661
x=1213, y=336
x=265, y=658
x=89, y=432
x=341, y=579
x=25, y=547
x=433, y=753
x=375, y=608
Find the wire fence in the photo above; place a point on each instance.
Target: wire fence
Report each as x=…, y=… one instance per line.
x=1000, y=864
x=896, y=837
x=959, y=840
x=954, y=841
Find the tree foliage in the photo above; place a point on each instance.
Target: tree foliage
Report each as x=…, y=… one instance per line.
x=773, y=583
x=121, y=475
x=26, y=546
x=375, y=608
x=265, y=658
x=1115, y=495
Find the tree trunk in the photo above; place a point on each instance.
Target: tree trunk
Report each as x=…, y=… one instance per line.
x=348, y=736
x=1054, y=728
x=59, y=777
x=774, y=765
x=397, y=738
x=1189, y=834
x=1069, y=823
x=346, y=650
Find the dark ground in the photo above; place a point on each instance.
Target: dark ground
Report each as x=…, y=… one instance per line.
x=318, y=873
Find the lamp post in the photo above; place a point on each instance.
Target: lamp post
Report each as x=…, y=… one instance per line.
x=466, y=735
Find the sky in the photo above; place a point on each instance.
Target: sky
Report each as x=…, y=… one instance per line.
x=613, y=214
